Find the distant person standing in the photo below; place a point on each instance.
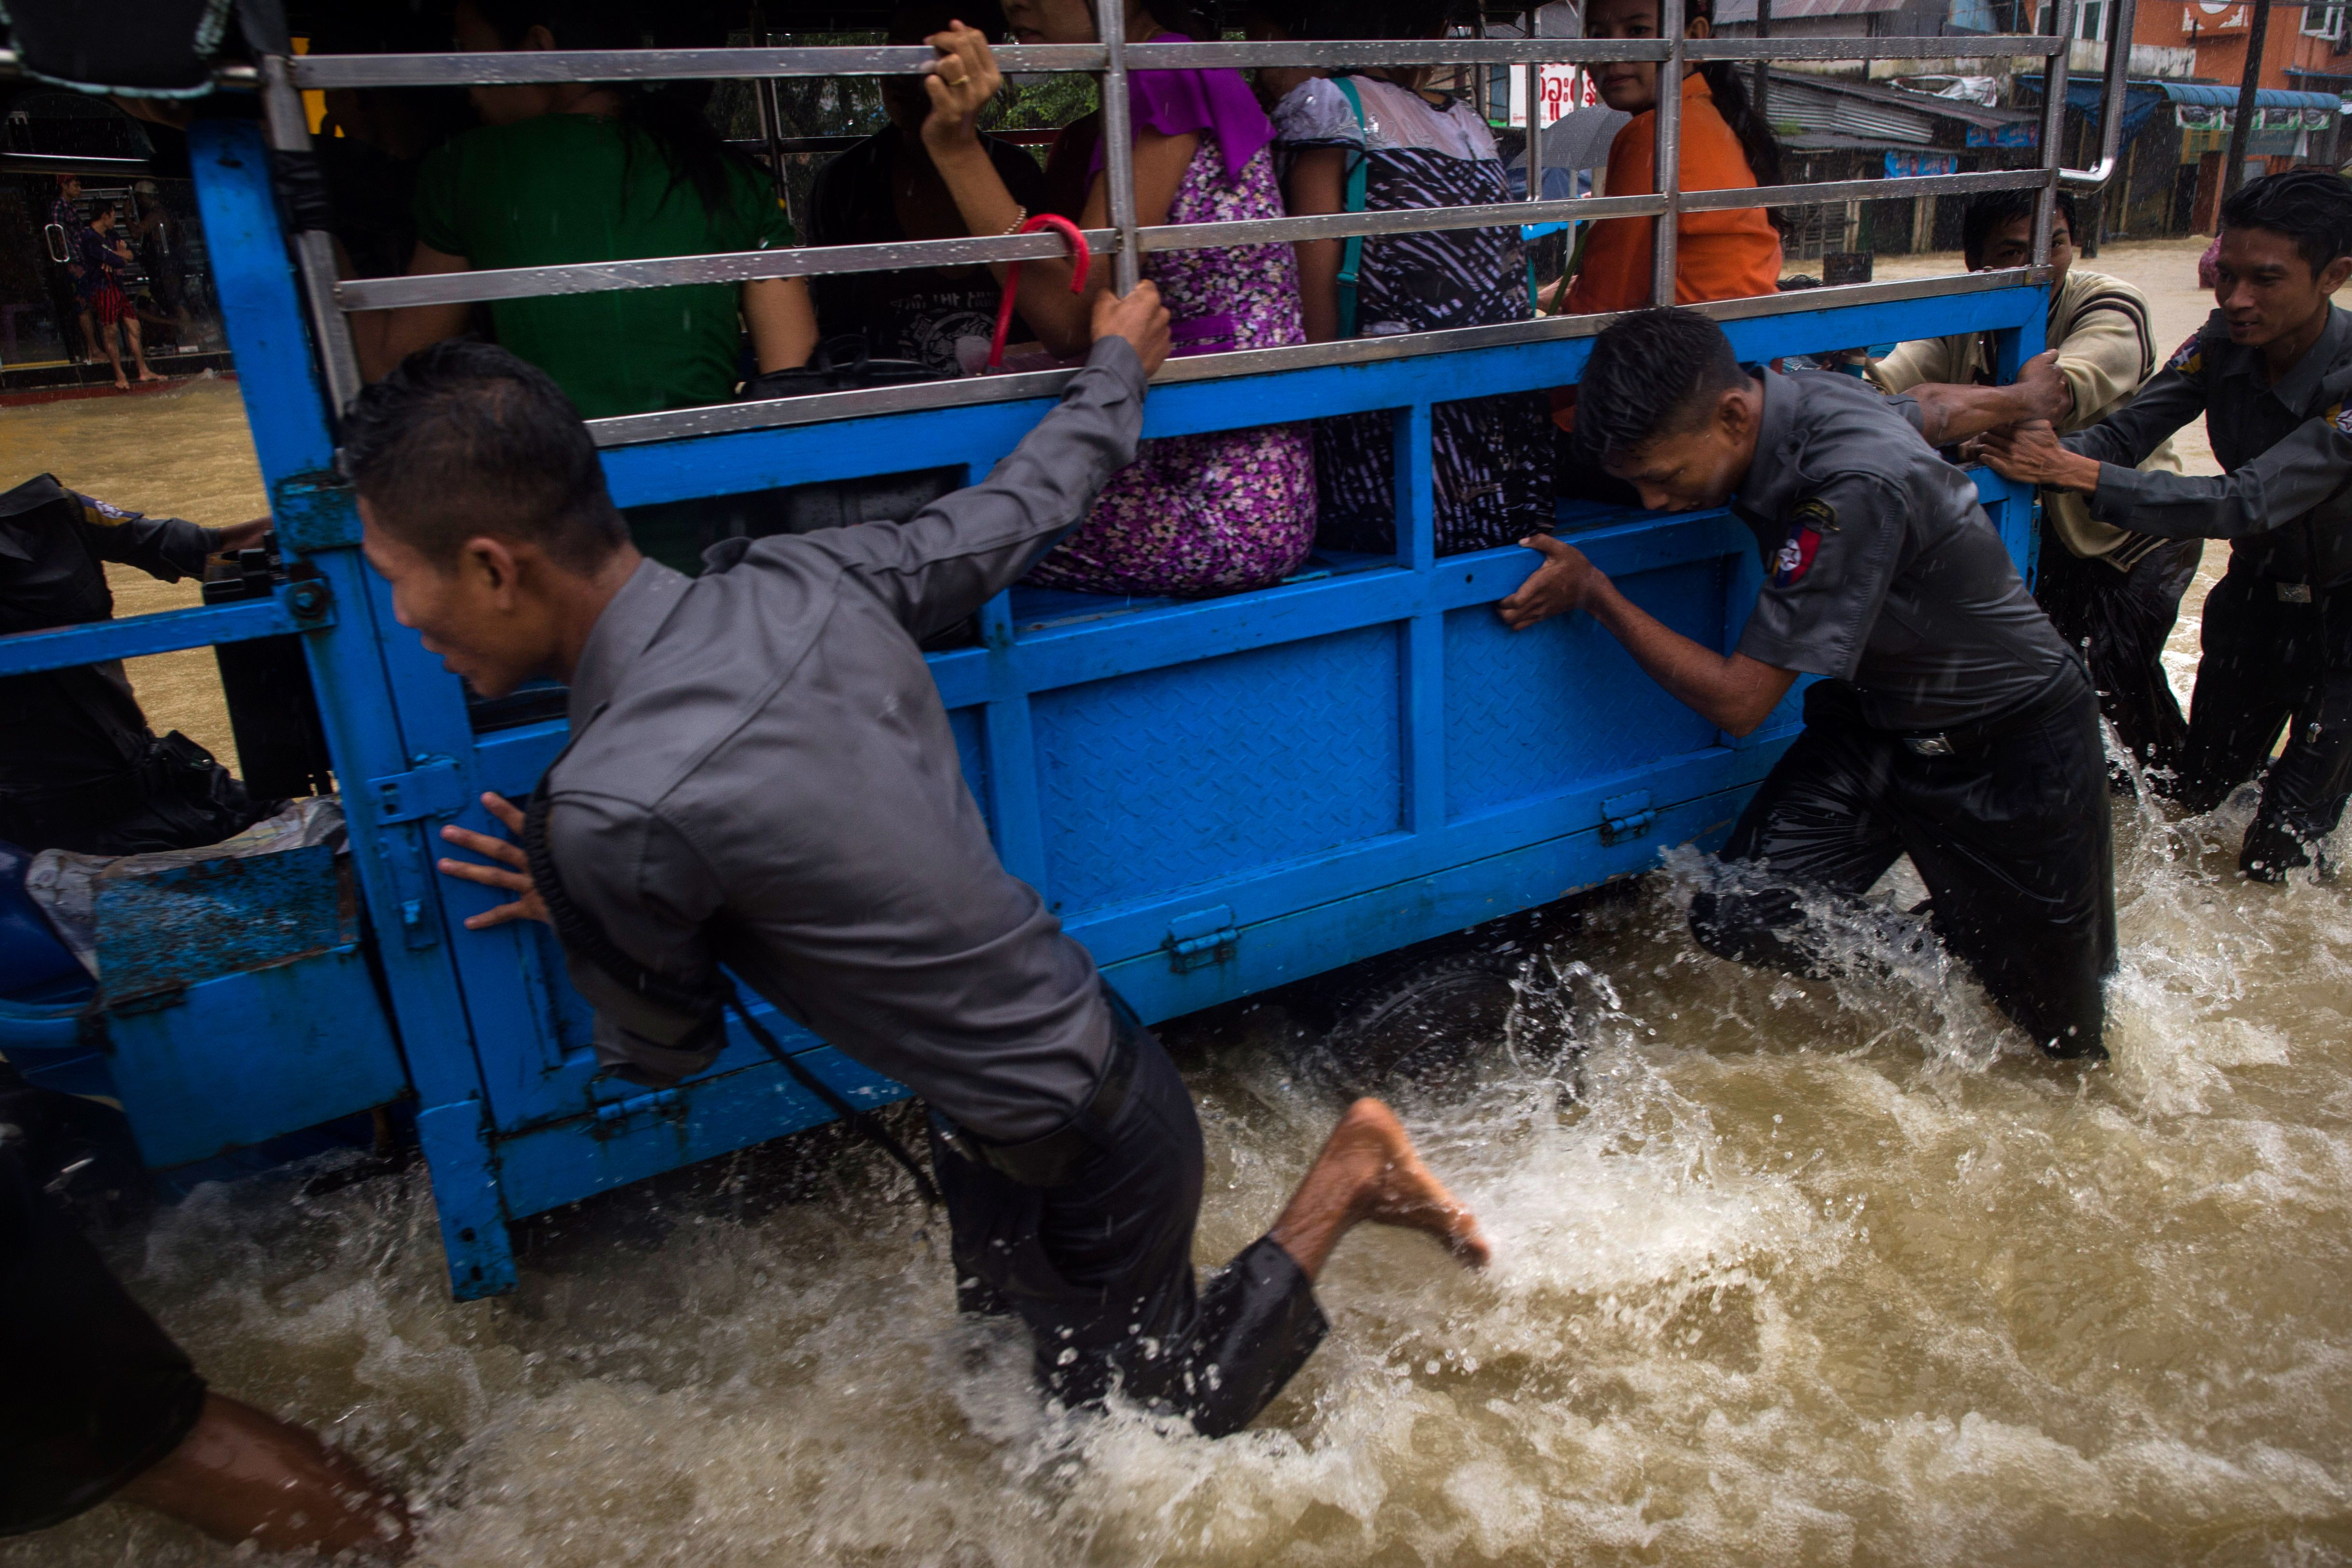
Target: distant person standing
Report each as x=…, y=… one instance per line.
x=65, y=217
x=163, y=257
x=105, y=255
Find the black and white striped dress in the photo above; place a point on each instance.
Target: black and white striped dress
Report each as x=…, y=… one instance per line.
x=1493, y=455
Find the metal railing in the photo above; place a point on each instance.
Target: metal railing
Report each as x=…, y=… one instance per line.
x=1125, y=241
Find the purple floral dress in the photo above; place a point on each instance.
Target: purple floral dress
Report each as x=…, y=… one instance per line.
x=1223, y=512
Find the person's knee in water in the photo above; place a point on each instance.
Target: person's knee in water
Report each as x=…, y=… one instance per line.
x=2267, y=372
x=100, y=1404
x=702, y=799
x=1951, y=723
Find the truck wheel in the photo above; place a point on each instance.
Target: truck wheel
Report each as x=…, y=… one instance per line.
x=1435, y=1031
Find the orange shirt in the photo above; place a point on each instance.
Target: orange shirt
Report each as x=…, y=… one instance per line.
x=1729, y=255
x=1718, y=255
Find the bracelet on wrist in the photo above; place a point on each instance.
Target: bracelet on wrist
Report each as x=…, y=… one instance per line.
x=1019, y=216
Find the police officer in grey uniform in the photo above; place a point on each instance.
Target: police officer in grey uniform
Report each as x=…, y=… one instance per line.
x=2272, y=372
x=1952, y=722
x=760, y=775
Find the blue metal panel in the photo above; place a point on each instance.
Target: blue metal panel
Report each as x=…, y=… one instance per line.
x=173, y=927
x=1182, y=775
x=239, y=1059
x=1533, y=712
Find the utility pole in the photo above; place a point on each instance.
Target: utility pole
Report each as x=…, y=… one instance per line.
x=2234, y=173
x=1761, y=93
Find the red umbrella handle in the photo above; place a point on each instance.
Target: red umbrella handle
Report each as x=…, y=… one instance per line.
x=1081, y=259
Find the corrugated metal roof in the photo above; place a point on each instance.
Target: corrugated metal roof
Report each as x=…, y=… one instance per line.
x=1811, y=106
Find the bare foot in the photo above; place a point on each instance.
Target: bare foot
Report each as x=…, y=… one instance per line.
x=1369, y=1169
x=148, y=376
x=120, y=384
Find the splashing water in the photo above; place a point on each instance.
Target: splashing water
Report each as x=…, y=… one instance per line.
x=1787, y=1271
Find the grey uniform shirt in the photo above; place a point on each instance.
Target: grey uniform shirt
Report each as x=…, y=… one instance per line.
x=762, y=774
x=2285, y=495
x=1882, y=569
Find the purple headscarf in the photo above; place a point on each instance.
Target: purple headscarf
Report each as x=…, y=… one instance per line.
x=1176, y=103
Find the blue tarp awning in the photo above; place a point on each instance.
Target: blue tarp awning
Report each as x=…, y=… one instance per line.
x=2211, y=95
x=2084, y=95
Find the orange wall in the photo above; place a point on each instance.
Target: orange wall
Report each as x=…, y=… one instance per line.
x=2220, y=40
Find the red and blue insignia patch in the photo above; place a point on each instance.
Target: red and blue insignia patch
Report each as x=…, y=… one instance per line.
x=1811, y=519
x=2184, y=359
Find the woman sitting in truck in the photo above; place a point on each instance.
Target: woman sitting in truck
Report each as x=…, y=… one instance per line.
x=1726, y=146
x=884, y=191
x=582, y=172
x=1378, y=141
x=1193, y=514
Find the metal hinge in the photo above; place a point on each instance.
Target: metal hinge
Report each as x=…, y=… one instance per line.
x=1627, y=816
x=1203, y=937
x=431, y=790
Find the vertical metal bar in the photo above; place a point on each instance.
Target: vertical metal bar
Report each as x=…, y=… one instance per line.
x=2053, y=126
x=314, y=251
x=1416, y=487
x=771, y=111
x=1760, y=95
x=1119, y=141
x=1668, y=164
x=358, y=696
x=1535, y=122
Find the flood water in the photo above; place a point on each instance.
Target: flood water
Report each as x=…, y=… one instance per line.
x=1786, y=1272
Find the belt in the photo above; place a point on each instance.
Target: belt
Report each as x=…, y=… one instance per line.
x=1055, y=1158
x=2060, y=694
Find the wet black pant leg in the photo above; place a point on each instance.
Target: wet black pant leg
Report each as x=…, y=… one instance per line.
x=2016, y=845
x=2121, y=622
x=1813, y=828
x=92, y=1392
x=2253, y=669
x=1100, y=1268
x=2303, y=792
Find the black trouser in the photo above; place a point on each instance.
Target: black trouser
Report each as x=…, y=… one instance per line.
x=2009, y=832
x=2268, y=660
x=91, y=1391
x=1100, y=1267
x=2120, y=620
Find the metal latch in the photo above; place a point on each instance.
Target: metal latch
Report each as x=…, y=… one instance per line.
x=1203, y=937
x=430, y=790
x=1627, y=816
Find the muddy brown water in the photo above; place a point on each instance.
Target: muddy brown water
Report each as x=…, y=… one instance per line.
x=1788, y=1273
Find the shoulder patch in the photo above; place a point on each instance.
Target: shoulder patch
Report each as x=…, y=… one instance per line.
x=1808, y=522
x=101, y=514
x=2340, y=416
x=2186, y=359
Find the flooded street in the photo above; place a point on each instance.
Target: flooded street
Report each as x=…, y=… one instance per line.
x=1786, y=1272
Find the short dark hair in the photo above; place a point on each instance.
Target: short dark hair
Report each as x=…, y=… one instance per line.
x=464, y=439
x=2312, y=207
x=1990, y=212
x=1651, y=374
